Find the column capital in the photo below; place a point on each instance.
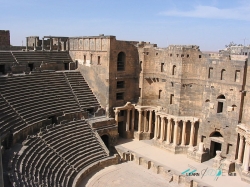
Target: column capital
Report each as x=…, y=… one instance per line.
x=129, y=109
x=241, y=136
x=176, y=120
x=140, y=111
x=116, y=111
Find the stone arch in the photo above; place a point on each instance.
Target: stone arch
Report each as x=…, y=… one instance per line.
x=215, y=134
x=174, y=70
x=221, y=99
x=121, y=60
x=222, y=75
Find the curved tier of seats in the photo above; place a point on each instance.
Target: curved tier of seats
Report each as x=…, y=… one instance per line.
x=41, y=56
x=81, y=89
x=37, y=96
x=6, y=57
x=9, y=120
x=55, y=156
x=28, y=99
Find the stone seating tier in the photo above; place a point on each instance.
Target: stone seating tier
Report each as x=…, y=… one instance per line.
x=6, y=57
x=34, y=164
x=39, y=56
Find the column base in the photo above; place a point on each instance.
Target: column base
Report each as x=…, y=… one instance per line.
x=143, y=135
x=129, y=134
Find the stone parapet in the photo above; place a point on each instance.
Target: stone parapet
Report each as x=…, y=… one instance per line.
x=171, y=175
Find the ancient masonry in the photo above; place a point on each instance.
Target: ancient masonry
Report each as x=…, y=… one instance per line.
x=4, y=39
x=185, y=100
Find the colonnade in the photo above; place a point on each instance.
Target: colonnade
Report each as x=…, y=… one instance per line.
x=244, y=147
x=130, y=121
x=165, y=130
x=164, y=127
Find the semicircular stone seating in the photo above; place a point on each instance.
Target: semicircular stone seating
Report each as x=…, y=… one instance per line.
x=55, y=156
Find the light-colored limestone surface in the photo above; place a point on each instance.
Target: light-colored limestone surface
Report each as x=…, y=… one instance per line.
x=127, y=174
x=180, y=163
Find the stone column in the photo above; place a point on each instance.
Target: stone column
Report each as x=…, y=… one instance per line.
x=58, y=44
x=116, y=116
x=240, y=150
x=139, y=121
x=50, y=44
x=246, y=158
x=128, y=120
x=169, y=131
x=183, y=136
x=27, y=41
x=191, y=142
x=175, y=132
x=150, y=122
x=145, y=121
x=43, y=44
x=156, y=122
x=162, y=128
x=133, y=120
x=35, y=44
x=159, y=127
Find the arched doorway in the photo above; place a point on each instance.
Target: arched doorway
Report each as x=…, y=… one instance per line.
x=216, y=143
x=105, y=139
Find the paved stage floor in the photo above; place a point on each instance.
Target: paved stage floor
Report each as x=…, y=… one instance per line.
x=129, y=174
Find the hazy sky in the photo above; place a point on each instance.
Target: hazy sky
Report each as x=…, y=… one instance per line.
x=209, y=24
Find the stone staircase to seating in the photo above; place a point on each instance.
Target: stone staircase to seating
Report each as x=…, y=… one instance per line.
x=56, y=155
x=82, y=90
x=37, y=96
x=9, y=119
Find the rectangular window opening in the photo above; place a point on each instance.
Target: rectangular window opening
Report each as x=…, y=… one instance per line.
x=171, y=99
x=120, y=84
x=229, y=148
x=210, y=72
x=84, y=59
x=237, y=76
x=162, y=67
x=159, y=96
x=119, y=96
x=220, y=107
x=99, y=60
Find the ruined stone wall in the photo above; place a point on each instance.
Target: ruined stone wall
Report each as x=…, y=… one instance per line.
x=226, y=78
x=86, y=51
x=97, y=61
x=4, y=40
x=170, y=78
x=130, y=74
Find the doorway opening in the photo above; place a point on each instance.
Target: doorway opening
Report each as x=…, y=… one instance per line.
x=2, y=69
x=105, y=140
x=53, y=119
x=215, y=146
x=66, y=66
x=121, y=128
x=31, y=66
